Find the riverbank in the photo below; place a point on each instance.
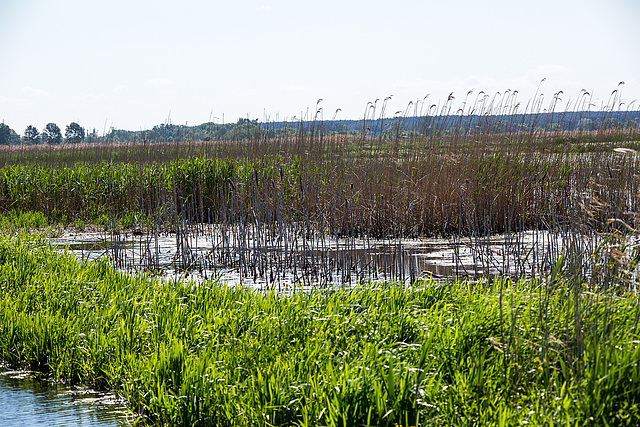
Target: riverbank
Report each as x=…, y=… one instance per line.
x=545, y=351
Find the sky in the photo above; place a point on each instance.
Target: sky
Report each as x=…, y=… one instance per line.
x=133, y=64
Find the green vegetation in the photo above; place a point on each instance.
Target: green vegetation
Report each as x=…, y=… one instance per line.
x=52, y=134
x=8, y=136
x=545, y=351
x=23, y=220
x=341, y=184
x=561, y=347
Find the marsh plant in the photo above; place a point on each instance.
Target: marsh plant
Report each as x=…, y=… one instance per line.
x=542, y=351
x=261, y=191
x=556, y=344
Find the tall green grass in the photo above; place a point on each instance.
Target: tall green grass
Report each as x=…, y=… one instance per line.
x=548, y=351
x=345, y=191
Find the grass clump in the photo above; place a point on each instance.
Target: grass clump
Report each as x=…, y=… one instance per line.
x=17, y=219
x=543, y=352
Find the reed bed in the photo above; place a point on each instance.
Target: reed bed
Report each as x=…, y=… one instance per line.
x=264, y=192
x=345, y=191
x=542, y=351
x=485, y=167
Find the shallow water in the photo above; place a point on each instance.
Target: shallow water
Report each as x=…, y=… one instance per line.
x=261, y=259
x=25, y=401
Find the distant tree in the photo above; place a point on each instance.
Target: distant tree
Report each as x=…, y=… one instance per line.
x=611, y=123
x=92, y=136
x=52, y=134
x=340, y=129
x=8, y=136
x=31, y=135
x=631, y=124
x=74, y=133
x=245, y=129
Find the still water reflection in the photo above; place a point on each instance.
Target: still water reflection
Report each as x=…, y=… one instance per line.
x=261, y=259
x=25, y=401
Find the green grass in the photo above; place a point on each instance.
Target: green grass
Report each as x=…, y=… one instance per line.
x=544, y=352
x=16, y=219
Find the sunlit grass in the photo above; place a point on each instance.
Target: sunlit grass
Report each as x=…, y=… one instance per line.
x=541, y=351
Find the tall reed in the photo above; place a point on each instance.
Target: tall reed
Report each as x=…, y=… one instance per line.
x=343, y=189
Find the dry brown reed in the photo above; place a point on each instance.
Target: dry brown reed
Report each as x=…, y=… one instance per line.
x=425, y=181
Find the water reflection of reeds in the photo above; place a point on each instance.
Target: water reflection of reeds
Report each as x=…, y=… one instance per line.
x=261, y=257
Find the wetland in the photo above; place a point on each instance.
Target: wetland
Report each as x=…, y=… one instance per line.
x=323, y=279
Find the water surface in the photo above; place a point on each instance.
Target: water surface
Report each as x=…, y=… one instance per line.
x=26, y=401
x=262, y=258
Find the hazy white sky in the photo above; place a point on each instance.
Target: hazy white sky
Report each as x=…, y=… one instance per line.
x=137, y=63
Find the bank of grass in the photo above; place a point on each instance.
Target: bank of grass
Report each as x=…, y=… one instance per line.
x=543, y=352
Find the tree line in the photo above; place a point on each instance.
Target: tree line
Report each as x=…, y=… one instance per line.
x=74, y=133
x=443, y=124
x=51, y=134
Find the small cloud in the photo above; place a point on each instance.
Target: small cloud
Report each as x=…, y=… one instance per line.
x=33, y=92
x=265, y=8
x=121, y=88
x=159, y=82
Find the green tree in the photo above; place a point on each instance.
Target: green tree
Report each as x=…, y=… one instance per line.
x=74, y=133
x=245, y=129
x=52, y=134
x=92, y=136
x=8, y=136
x=611, y=123
x=31, y=135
